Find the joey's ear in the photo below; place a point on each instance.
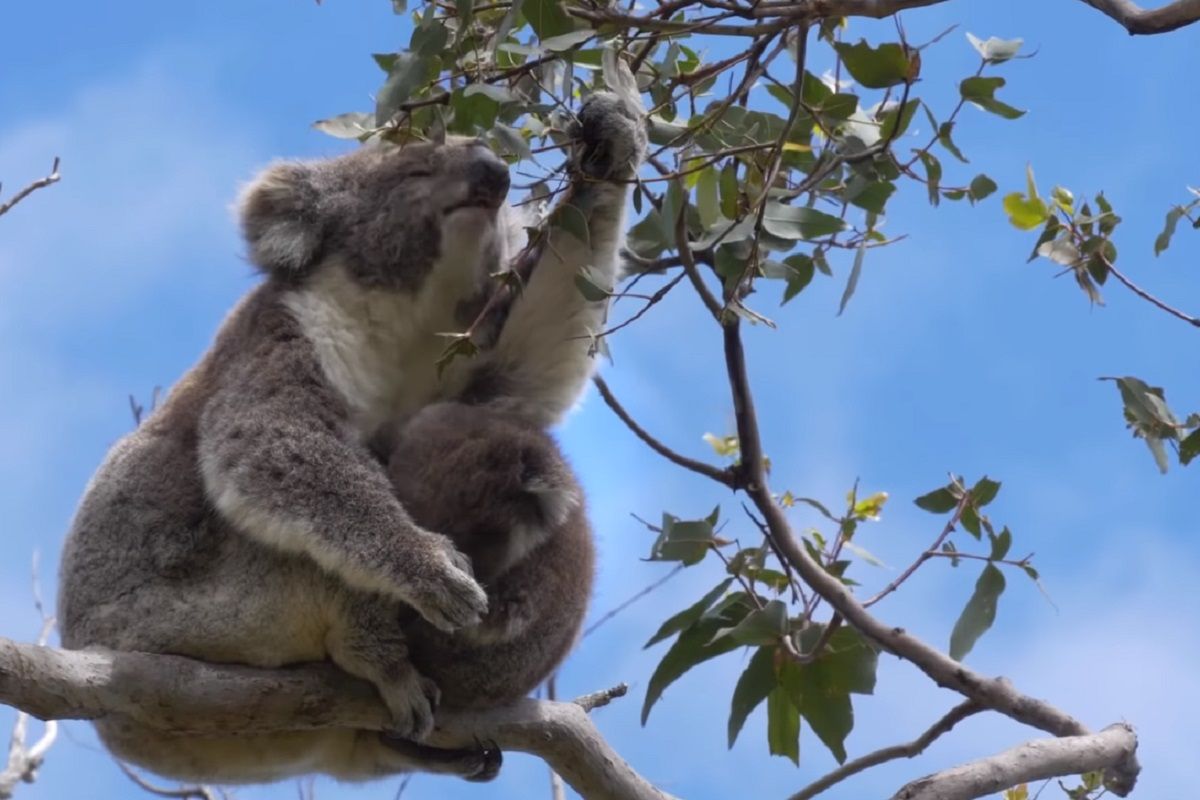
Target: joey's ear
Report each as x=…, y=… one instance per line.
x=555, y=500
x=280, y=219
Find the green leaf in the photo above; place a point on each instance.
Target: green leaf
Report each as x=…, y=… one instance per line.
x=1189, y=448
x=762, y=626
x=876, y=67
x=354, y=125
x=802, y=274
x=694, y=646
x=855, y=273
x=707, y=202
x=795, y=223
x=729, y=190
x=757, y=681
x=895, y=121
x=547, y=18
x=590, y=291
x=995, y=51
x=979, y=613
x=821, y=689
x=1163, y=240
x=1001, y=543
x=869, y=195
x=943, y=135
x=572, y=220
x=1025, y=213
x=686, y=541
x=939, y=501
x=690, y=615
x=565, y=41
x=407, y=74
x=933, y=175
x=783, y=726
x=984, y=491
x=980, y=90
x=981, y=186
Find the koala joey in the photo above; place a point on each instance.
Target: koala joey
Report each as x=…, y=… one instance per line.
x=248, y=521
x=499, y=488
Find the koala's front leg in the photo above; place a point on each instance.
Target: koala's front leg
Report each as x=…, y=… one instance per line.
x=541, y=360
x=283, y=467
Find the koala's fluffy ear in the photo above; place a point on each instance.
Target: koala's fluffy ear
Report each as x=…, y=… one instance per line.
x=280, y=219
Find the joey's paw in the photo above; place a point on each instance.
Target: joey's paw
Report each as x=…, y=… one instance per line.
x=443, y=589
x=412, y=701
x=611, y=137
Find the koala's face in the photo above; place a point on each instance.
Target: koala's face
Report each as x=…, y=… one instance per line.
x=388, y=214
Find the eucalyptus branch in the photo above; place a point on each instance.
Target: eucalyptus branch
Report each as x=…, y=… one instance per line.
x=722, y=476
x=1142, y=293
x=1113, y=750
x=184, y=696
x=993, y=693
x=41, y=183
x=929, y=552
x=1137, y=20
x=909, y=750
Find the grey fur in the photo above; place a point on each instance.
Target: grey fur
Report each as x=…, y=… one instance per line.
x=501, y=490
x=247, y=520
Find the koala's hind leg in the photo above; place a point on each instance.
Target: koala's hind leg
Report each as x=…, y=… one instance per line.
x=366, y=640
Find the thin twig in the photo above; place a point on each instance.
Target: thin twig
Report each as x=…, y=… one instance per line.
x=40, y=183
x=1142, y=293
x=724, y=477
x=180, y=793
x=608, y=615
x=927, y=554
x=883, y=755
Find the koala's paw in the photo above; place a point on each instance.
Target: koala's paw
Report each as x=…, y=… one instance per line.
x=611, y=137
x=443, y=589
x=412, y=701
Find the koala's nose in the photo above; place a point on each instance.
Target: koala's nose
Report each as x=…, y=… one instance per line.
x=487, y=174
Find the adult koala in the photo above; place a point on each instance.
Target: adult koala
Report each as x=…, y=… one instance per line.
x=247, y=520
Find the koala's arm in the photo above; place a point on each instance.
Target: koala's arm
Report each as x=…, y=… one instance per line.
x=284, y=468
x=541, y=360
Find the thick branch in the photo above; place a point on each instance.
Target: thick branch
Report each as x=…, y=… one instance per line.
x=181, y=695
x=994, y=693
x=1139, y=20
x=1112, y=750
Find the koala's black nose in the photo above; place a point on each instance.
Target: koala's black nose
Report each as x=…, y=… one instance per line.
x=487, y=175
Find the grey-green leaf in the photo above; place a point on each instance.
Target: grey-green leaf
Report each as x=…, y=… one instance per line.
x=979, y=613
x=689, y=615
x=757, y=681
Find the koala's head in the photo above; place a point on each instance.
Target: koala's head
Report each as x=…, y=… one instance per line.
x=497, y=486
x=387, y=214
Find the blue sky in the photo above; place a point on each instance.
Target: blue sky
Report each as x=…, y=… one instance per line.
x=953, y=355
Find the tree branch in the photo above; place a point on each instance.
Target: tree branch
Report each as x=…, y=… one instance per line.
x=182, y=695
x=1112, y=750
x=909, y=750
x=1141, y=21
x=994, y=693
x=41, y=183
x=722, y=476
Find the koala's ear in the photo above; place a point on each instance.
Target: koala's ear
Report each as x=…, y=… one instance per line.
x=280, y=219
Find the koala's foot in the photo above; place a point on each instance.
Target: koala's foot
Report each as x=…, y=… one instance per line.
x=478, y=764
x=612, y=137
x=412, y=700
x=441, y=587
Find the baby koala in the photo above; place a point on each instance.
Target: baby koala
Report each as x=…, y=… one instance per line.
x=499, y=488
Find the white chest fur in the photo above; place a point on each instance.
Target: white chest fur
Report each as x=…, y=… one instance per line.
x=379, y=349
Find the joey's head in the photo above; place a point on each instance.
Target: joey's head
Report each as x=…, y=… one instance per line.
x=389, y=215
x=497, y=486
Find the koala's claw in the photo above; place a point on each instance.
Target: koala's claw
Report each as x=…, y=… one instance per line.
x=477, y=764
x=611, y=137
x=446, y=594
x=412, y=702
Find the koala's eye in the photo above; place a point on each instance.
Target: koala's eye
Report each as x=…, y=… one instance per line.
x=420, y=173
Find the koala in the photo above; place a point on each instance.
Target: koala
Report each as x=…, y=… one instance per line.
x=501, y=491
x=248, y=520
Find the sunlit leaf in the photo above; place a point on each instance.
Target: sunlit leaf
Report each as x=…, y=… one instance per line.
x=876, y=67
